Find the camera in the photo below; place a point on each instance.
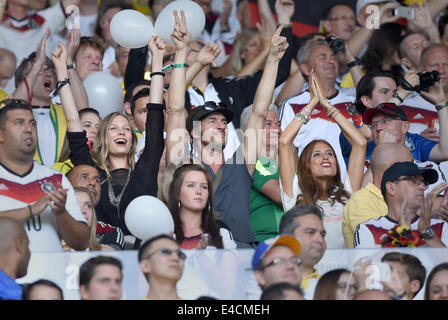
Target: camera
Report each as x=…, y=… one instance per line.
x=336, y=44
x=428, y=79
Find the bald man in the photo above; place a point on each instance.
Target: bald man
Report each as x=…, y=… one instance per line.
x=14, y=258
x=7, y=67
x=368, y=202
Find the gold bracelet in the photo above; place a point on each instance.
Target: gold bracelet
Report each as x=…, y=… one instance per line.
x=28, y=212
x=333, y=110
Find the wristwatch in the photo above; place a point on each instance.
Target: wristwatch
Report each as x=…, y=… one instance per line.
x=441, y=106
x=428, y=234
x=71, y=66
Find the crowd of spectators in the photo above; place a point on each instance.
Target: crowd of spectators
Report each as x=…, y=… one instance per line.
x=252, y=136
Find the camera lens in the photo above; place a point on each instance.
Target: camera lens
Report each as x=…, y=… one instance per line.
x=428, y=79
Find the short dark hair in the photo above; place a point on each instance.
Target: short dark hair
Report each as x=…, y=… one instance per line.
x=70, y=173
x=414, y=268
x=27, y=288
x=88, y=110
x=366, y=86
x=434, y=271
x=276, y=291
x=129, y=95
x=145, y=246
x=11, y=104
x=289, y=223
x=87, y=269
x=20, y=71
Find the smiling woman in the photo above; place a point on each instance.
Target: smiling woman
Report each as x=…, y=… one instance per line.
x=315, y=178
x=113, y=151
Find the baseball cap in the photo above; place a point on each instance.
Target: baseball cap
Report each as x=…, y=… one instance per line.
x=389, y=109
x=207, y=108
x=361, y=3
x=408, y=169
x=263, y=248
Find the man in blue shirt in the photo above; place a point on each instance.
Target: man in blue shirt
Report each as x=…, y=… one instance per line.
x=377, y=88
x=14, y=258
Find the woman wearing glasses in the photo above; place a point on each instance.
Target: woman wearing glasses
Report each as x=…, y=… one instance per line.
x=315, y=178
x=113, y=151
x=190, y=204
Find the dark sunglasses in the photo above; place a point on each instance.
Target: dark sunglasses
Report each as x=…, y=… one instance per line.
x=8, y=104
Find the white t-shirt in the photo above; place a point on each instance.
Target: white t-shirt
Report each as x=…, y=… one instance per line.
x=320, y=127
x=421, y=113
x=332, y=218
x=19, y=191
x=46, y=135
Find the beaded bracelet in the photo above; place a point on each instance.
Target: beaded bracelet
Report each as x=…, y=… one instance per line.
x=302, y=118
x=173, y=66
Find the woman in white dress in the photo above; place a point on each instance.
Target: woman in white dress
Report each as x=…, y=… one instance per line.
x=314, y=178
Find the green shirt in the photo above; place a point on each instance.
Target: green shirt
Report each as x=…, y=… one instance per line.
x=265, y=214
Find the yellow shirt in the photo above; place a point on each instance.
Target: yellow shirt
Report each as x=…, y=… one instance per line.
x=367, y=203
x=3, y=95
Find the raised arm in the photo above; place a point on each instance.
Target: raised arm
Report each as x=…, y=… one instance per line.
x=206, y=56
x=59, y=58
x=437, y=96
x=176, y=133
x=25, y=88
x=79, y=92
x=355, y=169
x=263, y=99
x=287, y=150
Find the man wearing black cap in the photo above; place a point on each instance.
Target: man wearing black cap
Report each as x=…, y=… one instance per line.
x=403, y=186
x=206, y=127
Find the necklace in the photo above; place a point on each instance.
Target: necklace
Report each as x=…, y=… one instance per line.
x=115, y=201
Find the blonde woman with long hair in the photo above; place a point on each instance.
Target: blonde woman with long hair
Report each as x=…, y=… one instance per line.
x=113, y=151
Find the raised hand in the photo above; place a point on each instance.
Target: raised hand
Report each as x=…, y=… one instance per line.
x=285, y=10
x=323, y=101
x=208, y=54
x=435, y=94
x=157, y=47
x=73, y=39
x=314, y=94
x=40, y=52
x=59, y=56
x=386, y=12
x=279, y=44
x=180, y=36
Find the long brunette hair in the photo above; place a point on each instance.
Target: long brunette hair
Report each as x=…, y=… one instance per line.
x=208, y=217
x=309, y=185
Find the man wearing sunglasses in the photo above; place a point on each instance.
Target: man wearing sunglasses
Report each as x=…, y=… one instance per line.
x=403, y=186
x=162, y=263
x=276, y=260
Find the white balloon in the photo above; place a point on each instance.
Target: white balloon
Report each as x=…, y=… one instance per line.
x=131, y=29
x=147, y=217
x=104, y=93
x=194, y=15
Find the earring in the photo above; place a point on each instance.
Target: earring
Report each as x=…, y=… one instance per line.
x=209, y=208
x=179, y=204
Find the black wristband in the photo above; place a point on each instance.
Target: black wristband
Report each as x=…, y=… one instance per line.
x=70, y=66
x=59, y=85
x=355, y=62
x=155, y=106
x=396, y=96
x=157, y=74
